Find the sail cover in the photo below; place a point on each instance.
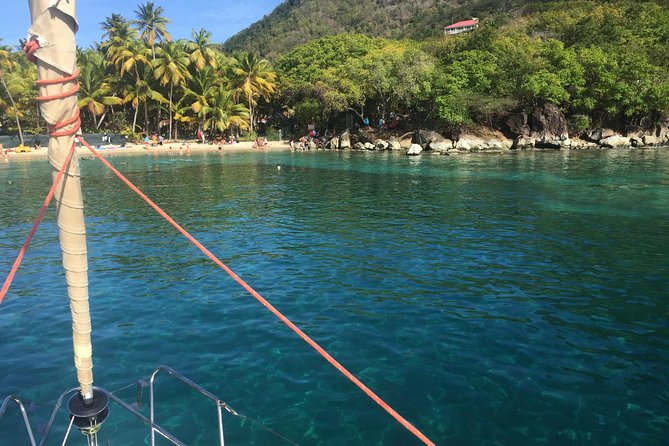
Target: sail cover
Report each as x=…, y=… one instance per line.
x=54, y=25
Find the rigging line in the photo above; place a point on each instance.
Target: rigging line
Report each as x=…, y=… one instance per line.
x=264, y=302
x=40, y=216
x=262, y=426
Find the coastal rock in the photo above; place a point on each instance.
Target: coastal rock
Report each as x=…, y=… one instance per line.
x=345, y=140
x=380, y=144
x=369, y=146
x=579, y=144
x=615, y=142
x=415, y=149
x=405, y=143
x=524, y=143
x=394, y=145
x=333, y=144
x=662, y=133
x=598, y=134
x=651, y=140
x=518, y=124
x=359, y=146
x=441, y=147
x=312, y=145
x=426, y=137
x=548, y=125
x=497, y=145
x=549, y=142
x=636, y=140
x=469, y=143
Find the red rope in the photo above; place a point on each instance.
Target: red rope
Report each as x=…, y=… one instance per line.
x=40, y=216
x=30, y=47
x=263, y=301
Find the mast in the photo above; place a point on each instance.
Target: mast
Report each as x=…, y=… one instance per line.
x=54, y=25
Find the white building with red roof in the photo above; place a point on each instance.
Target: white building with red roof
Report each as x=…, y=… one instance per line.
x=462, y=27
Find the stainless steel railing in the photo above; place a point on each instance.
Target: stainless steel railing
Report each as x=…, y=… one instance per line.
x=24, y=414
x=150, y=421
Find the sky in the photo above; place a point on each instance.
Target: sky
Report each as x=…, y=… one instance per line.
x=223, y=18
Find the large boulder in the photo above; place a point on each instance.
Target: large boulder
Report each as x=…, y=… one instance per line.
x=497, y=145
x=662, y=133
x=345, y=140
x=426, y=137
x=415, y=149
x=524, y=143
x=518, y=124
x=359, y=146
x=394, y=145
x=380, y=144
x=548, y=124
x=549, y=142
x=651, y=140
x=441, y=147
x=579, y=144
x=598, y=134
x=369, y=146
x=333, y=144
x=615, y=142
x=469, y=143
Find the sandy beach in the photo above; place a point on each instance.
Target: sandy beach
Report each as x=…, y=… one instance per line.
x=140, y=149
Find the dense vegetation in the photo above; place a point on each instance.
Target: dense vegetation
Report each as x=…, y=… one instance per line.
x=183, y=85
x=296, y=22
x=604, y=63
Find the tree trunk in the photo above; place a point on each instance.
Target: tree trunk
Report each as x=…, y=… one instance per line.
x=11, y=99
x=146, y=116
x=251, y=117
x=158, y=120
x=101, y=119
x=171, y=91
x=134, y=119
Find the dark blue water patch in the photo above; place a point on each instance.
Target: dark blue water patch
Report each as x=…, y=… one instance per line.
x=516, y=299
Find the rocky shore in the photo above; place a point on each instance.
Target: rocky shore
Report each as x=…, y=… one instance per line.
x=546, y=128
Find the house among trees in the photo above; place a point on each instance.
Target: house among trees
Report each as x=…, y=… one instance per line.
x=462, y=27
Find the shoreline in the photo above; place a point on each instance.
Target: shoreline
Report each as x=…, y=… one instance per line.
x=139, y=149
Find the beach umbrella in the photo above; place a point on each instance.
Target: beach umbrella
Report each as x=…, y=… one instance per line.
x=51, y=45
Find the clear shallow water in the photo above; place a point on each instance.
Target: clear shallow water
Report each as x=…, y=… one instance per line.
x=492, y=300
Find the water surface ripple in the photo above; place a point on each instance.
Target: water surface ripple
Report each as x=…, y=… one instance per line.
x=518, y=299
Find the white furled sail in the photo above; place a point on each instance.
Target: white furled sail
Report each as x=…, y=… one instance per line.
x=53, y=31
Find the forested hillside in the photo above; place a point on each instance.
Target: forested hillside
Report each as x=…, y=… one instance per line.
x=295, y=22
x=601, y=63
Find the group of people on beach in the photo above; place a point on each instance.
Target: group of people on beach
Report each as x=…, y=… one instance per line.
x=155, y=140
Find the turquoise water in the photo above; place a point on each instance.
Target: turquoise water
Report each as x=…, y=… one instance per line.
x=517, y=299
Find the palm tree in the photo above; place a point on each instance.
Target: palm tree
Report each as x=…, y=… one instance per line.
x=223, y=111
x=253, y=78
x=95, y=89
x=202, y=54
x=115, y=26
x=131, y=57
x=151, y=23
x=171, y=68
x=6, y=62
x=141, y=92
x=198, y=94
